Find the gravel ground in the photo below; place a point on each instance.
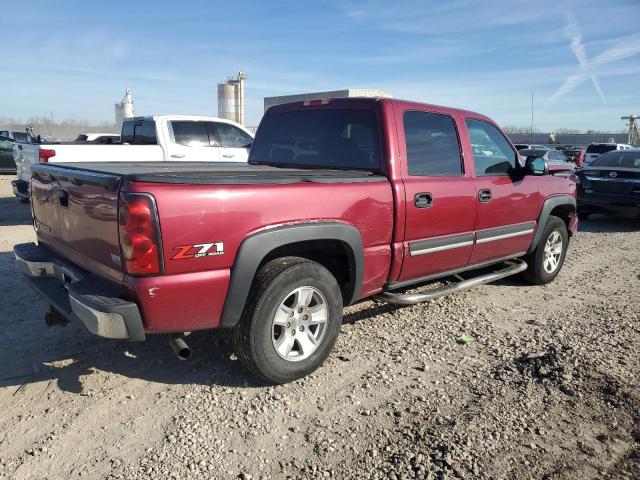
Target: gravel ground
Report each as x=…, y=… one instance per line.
x=548, y=386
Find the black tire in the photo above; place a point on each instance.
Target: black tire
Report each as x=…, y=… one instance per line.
x=583, y=216
x=252, y=337
x=536, y=272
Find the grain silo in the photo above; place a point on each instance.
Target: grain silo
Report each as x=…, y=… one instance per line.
x=124, y=109
x=231, y=99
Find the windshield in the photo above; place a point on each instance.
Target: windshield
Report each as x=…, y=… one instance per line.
x=323, y=138
x=618, y=159
x=600, y=148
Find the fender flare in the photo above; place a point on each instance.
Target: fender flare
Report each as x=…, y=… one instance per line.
x=548, y=205
x=256, y=247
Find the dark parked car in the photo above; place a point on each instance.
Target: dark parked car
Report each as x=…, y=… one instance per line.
x=7, y=165
x=610, y=184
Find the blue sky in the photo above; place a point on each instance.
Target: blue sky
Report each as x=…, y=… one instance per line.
x=581, y=59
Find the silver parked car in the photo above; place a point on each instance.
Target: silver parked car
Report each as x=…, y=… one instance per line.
x=558, y=162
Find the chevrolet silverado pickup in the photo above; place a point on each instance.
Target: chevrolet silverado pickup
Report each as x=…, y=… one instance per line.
x=341, y=200
x=157, y=138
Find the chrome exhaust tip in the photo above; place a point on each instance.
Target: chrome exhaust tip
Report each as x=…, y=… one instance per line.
x=180, y=347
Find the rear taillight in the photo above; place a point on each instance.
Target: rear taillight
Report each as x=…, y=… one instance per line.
x=140, y=234
x=580, y=159
x=45, y=154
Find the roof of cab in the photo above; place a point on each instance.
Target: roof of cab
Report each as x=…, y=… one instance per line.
x=364, y=102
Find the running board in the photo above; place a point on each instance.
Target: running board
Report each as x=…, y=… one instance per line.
x=516, y=266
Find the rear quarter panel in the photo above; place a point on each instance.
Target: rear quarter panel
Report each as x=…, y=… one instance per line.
x=205, y=214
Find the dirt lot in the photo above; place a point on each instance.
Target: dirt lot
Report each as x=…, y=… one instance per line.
x=548, y=388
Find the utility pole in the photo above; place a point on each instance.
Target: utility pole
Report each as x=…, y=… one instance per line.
x=531, y=142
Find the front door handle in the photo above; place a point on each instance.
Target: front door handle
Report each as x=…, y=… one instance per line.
x=423, y=200
x=484, y=195
x=177, y=155
x=228, y=155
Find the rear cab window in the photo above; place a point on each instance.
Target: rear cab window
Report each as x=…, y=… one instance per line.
x=600, y=148
x=618, y=159
x=139, y=132
x=333, y=138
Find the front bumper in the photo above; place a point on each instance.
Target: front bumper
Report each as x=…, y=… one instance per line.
x=20, y=189
x=79, y=296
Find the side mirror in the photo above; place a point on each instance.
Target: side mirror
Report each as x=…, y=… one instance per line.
x=536, y=166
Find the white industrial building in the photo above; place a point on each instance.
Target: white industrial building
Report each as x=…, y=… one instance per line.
x=231, y=98
x=124, y=109
x=349, y=92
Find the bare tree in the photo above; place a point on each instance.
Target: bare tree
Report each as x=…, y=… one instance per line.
x=64, y=130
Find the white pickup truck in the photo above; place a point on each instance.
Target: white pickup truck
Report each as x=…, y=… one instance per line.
x=154, y=139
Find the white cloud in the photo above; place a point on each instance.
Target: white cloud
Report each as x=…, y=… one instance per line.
x=572, y=32
x=625, y=48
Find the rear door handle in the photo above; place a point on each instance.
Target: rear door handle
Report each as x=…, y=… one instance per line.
x=484, y=195
x=423, y=200
x=228, y=155
x=177, y=155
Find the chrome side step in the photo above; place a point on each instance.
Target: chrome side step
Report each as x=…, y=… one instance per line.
x=515, y=266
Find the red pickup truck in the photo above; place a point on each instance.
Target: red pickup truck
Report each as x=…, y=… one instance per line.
x=341, y=200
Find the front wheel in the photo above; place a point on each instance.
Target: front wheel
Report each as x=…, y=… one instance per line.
x=545, y=262
x=292, y=322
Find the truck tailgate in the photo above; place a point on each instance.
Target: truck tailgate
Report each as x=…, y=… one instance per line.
x=76, y=215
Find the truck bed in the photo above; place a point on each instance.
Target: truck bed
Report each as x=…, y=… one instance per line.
x=216, y=173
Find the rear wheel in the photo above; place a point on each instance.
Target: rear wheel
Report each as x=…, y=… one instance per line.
x=292, y=322
x=545, y=262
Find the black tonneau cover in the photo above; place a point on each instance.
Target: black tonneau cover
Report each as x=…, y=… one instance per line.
x=220, y=173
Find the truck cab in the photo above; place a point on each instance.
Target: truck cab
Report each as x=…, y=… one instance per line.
x=190, y=138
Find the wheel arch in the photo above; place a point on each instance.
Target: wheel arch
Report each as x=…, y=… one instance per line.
x=325, y=242
x=561, y=206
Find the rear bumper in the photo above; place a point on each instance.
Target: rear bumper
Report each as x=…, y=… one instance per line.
x=624, y=205
x=79, y=296
x=20, y=189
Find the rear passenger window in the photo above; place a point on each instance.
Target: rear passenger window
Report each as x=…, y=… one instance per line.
x=492, y=153
x=190, y=134
x=139, y=132
x=432, y=142
x=230, y=136
x=145, y=133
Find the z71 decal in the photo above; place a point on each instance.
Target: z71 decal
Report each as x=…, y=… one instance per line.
x=198, y=250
